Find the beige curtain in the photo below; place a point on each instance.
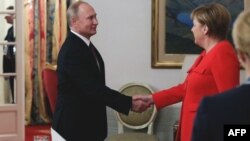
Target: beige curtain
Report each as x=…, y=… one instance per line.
x=41, y=41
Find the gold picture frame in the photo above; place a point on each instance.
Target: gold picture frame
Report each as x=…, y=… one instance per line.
x=160, y=58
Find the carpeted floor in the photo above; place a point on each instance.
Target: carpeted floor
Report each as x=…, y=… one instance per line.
x=33, y=130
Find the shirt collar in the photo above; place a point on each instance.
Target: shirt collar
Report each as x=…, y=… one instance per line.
x=87, y=41
x=248, y=81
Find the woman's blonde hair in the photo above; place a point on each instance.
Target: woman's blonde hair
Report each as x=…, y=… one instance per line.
x=215, y=16
x=241, y=32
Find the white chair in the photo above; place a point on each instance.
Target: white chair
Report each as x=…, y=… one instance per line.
x=135, y=126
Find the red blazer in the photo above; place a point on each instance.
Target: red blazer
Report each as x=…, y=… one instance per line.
x=212, y=72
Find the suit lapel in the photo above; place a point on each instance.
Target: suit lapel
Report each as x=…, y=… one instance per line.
x=98, y=55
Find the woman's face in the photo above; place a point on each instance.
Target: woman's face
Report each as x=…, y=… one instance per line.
x=199, y=32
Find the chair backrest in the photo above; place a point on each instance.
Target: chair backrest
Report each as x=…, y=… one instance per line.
x=50, y=82
x=135, y=120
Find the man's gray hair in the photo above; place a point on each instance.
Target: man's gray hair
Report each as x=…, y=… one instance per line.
x=73, y=10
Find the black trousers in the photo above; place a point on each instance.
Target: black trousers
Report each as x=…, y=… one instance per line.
x=9, y=66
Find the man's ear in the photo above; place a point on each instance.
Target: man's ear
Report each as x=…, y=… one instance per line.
x=73, y=21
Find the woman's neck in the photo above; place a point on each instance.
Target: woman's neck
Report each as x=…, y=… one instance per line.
x=210, y=44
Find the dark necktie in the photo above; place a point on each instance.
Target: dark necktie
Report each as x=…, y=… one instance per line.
x=92, y=48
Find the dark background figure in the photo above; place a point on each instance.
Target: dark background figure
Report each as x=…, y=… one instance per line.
x=9, y=61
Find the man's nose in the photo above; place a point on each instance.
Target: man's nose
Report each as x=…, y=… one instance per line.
x=95, y=21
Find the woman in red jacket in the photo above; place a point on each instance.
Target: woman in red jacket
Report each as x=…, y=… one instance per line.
x=214, y=71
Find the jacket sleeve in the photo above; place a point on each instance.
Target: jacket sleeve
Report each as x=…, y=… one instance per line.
x=85, y=81
x=169, y=96
x=226, y=69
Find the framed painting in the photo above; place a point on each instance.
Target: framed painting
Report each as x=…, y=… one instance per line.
x=172, y=38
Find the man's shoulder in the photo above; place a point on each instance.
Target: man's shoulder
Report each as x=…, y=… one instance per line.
x=227, y=98
x=73, y=40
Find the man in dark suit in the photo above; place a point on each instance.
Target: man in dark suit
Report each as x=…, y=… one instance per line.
x=80, y=112
x=9, y=59
x=231, y=107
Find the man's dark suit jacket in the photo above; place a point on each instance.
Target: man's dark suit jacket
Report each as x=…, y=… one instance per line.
x=230, y=107
x=9, y=59
x=80, y=112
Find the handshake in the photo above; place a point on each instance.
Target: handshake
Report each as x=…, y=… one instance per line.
x=140, y=103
